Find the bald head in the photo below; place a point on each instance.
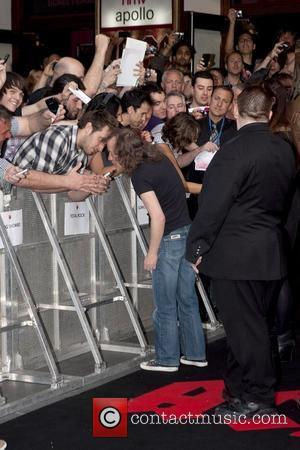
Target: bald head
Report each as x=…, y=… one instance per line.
x=68, y=65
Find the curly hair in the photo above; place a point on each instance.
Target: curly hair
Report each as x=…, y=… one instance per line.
x=182, y=130
x=131, y=150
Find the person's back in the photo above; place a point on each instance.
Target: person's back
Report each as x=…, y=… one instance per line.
x=262, y=166
x=238, y=237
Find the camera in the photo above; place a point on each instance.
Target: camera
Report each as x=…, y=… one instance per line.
x=151, y=50
x=239, y=14
x=179, y=35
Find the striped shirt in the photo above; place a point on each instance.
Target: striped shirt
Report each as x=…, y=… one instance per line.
x=53, y=150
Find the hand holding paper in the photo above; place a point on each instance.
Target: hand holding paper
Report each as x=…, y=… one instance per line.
x=133, y=53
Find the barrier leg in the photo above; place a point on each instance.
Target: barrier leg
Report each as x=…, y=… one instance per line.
x=56, y=378
x=117, y=273
x=214, y=323
x=99, y=363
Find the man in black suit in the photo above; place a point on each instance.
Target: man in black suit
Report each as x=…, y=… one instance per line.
x=216, y=129
x=237, y=236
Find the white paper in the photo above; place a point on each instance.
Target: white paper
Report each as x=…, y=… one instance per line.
x=142, y=213
x=81, y=95
x=133, y=53
x=13, y=221
x=77, y=218
x=203, y=160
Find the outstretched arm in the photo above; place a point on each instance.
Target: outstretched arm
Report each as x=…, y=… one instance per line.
x=94, y=75
x=229, y=42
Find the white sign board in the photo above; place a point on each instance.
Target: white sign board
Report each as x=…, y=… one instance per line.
x=135, y=13
x=13, y=221
x=77, y=218
x=132, y=54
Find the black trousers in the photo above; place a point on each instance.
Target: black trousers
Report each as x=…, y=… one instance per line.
x=244, y=308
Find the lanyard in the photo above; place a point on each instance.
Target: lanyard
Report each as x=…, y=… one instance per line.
x=219, y=132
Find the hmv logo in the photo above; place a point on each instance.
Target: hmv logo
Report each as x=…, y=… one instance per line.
x=133, y=2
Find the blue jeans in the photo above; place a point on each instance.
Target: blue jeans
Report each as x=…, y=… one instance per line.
x=177, y=323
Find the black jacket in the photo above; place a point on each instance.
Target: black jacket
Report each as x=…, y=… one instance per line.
x=243, y=206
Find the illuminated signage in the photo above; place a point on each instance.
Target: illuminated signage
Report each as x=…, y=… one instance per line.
x=135, y=13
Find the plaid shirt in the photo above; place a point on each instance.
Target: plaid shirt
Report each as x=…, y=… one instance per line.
x=3, y=166
x=53, y=150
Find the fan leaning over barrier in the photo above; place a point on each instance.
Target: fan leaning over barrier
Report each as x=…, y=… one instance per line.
x=54, y=156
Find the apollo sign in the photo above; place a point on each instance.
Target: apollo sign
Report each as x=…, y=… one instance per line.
x=135, y=13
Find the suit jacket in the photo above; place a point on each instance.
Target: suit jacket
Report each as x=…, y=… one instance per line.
x=242, y=208
x=229, y=130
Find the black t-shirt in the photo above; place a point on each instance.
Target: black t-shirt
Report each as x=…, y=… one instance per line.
x=162, y=178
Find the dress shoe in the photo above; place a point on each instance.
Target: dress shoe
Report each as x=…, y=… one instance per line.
x=237, y=408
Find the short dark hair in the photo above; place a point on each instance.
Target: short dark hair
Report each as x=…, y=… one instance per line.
x=135, y=98
x=183, y=43
x=99, y=119
x=152, y=88
x=182, y=130
x=224, y=88
x=286, y=30
x=245, y=32
x=255, y=102
x=13, y=79
x=202, y=74
x=104, y=101
x=131, y=150
x=60, y=82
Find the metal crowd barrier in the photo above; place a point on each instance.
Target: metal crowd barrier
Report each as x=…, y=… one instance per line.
x=65, y=297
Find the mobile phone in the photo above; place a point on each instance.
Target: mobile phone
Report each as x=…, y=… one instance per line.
x=52, y=104
x=179, y=35
x=23, y=172
x=5, y=58
x=239, y=14
x=202, y=109
x=207, y=58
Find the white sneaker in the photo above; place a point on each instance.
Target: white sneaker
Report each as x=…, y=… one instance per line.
x=190, y=362
x=3, y=444
x=154, y=366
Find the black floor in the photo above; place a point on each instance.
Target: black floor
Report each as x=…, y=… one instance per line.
x=68, y=424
